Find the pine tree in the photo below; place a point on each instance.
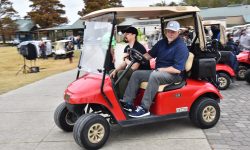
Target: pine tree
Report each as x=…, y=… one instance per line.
x=114, y=3
x=47, y=13
x=215, y=3
x=7, y=24
x=162, y=3
x=93, y=5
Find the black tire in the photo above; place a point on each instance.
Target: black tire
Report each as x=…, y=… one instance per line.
x=64, y=119
x=224, y=81
x=247, y=76
x=75, y=130
x=241, y=73
x=199, y=109
x=87, y=123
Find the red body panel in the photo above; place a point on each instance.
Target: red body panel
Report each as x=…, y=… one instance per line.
x=244, y=57
x=225, y=68
x=168, y=102
x=152, y=64
x=86, y=90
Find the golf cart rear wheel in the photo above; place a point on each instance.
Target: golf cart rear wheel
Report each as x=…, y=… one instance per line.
x=91, y=131
x=205, y=113
x=241, y=73
x=64, y=119
x=248, y=76
x=224, y=81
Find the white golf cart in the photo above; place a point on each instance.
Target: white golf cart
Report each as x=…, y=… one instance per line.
x=59, y=50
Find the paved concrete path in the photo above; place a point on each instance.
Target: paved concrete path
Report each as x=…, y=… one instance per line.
x=233, y=130
x=26, y=116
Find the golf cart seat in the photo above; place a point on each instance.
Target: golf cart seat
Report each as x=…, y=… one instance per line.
x=226, y=57
x=178, y=84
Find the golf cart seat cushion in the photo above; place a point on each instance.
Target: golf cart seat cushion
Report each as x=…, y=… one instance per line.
x=189, y=62
x=178, y=84
x=166, y=87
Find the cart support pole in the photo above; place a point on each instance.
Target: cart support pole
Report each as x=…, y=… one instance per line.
x=124, y=72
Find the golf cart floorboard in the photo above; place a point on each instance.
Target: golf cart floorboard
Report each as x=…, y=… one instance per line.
x=152, y=119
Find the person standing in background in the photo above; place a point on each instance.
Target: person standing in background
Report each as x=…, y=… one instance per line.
x=42, y=46
x=70, y=51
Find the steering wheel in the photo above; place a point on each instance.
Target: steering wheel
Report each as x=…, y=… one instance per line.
x=137, y=56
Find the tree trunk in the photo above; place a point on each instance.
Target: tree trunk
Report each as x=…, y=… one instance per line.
x=4, y=40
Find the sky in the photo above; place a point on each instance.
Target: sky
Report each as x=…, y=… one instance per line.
x=73, y=6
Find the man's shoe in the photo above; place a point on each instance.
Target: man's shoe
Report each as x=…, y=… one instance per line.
x=127, y=107
x=139, y=112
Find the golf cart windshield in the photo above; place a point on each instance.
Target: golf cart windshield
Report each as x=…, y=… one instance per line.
x=96, y=42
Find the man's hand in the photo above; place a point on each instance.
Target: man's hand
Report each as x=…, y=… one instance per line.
x=113, y=74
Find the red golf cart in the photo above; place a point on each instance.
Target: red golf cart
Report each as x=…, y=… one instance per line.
x=91, y=104
x=224, y=70
x=225, y=73
x=244, y=64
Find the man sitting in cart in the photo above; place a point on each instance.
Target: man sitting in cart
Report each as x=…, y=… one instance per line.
x=171, y=53
x=130, y=37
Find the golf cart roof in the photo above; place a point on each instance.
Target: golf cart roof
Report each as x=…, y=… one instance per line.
x=182, y=13
x=221, y=27
x=211, y=22
x=144, y=12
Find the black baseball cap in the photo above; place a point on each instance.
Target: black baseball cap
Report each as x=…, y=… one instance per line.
x=229, y=35
x=130, y=29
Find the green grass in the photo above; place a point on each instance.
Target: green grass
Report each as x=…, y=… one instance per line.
x=11, y=61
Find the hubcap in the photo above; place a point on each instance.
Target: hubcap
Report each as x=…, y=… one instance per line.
x=223, y=81
x=96, y=133
x=70, y=118
x=242, y=73
x=209, y=114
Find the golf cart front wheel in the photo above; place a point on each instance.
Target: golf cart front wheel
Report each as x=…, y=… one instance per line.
x=224, y=81
x=64, y=119
x=91, y=131
x=205, y=113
